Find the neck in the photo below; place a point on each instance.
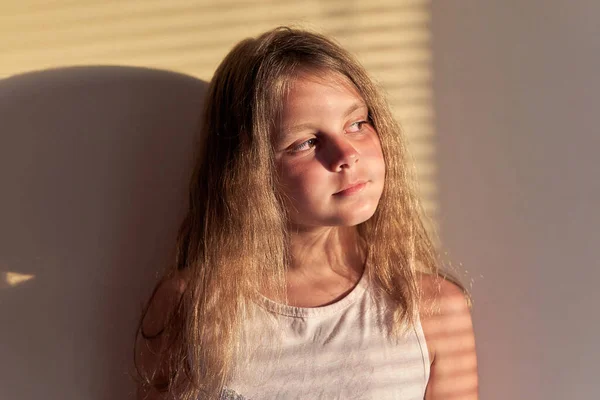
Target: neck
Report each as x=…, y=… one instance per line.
x=326, y=251
x=325, y=265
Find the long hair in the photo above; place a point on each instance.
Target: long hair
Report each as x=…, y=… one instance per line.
x=233, y=241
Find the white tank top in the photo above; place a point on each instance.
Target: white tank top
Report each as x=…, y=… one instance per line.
x=338, y=351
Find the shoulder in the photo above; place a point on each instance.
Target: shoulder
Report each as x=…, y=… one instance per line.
x=441, y=297
x=162, y=303
x=443, y=310
x=446, y=320
x=150, y=342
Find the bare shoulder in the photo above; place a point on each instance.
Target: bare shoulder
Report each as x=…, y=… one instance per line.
x=441, y=297
x=162, y=303
x=448, y=328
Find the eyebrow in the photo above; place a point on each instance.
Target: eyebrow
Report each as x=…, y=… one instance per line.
x=354, y=107
x=297, y=128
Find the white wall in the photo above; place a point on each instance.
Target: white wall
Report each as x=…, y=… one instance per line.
x=517, y=91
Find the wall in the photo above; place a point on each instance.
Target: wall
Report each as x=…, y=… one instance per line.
x=391, y=37
x=85, y=153
x=517, y=93
x=99, y=107
x=93, y=163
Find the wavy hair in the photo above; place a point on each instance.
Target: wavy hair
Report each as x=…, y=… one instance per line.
x=233, y=241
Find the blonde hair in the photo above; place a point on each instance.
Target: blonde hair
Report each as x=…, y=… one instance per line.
x=232, y=243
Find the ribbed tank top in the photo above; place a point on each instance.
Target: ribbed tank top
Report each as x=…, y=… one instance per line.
x=338, y=351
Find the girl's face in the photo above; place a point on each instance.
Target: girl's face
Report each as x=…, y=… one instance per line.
x=329, y=157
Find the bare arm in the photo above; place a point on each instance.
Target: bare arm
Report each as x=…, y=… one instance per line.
x=448, y=329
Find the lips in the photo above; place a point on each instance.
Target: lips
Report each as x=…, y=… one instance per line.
x=352, y=189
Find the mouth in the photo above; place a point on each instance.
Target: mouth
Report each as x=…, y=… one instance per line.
x=352, y=188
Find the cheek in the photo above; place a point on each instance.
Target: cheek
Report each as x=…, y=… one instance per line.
x=300, y=182
x=373, y=154
x=297, y=181
x=381, y=160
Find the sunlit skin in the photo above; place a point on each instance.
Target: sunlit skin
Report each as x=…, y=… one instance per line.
x=325, y=145
x=332, y=173
x=448, y=328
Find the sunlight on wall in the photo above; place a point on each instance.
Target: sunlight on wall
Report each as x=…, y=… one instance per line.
x=11, y=279
x=391, y=38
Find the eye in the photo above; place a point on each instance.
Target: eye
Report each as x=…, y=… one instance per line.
x=306, y=145
x=357, y=126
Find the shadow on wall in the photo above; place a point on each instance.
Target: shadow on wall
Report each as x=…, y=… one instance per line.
x=94, y=166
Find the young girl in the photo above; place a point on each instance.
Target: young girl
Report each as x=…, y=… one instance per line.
x=303, y=270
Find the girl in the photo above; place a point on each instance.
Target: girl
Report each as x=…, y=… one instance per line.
x=303, y=270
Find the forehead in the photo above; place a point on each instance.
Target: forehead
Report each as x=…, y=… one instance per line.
x=326, y=82
x=310, y=95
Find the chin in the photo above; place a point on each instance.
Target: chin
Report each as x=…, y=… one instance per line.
x=355, y=217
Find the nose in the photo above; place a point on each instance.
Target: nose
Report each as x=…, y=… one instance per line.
x=342, y=154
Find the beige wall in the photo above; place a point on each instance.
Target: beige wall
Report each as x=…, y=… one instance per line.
x=391, y=37
x=94, y=159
